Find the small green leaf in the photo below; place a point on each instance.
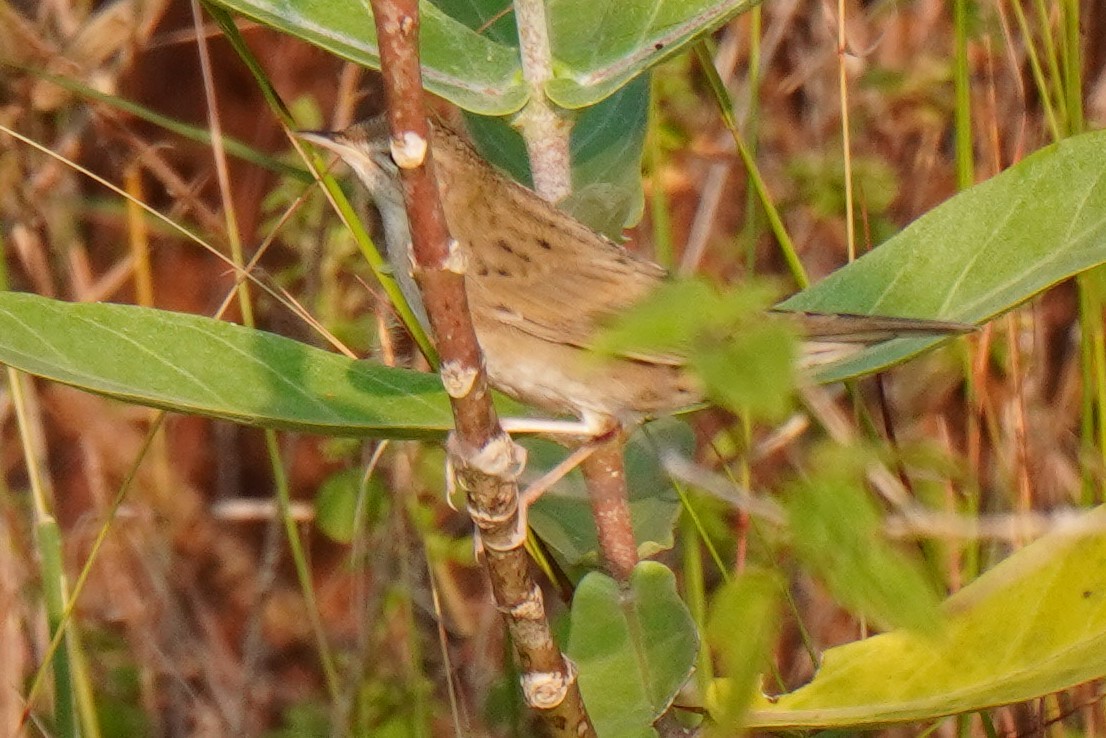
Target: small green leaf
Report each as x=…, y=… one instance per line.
x=745, y=357
x=336, y=504
x=681, y=312
x=667, y=320
x=837, y=531
x=741, y=630
x=752, y=374
x=634, y=648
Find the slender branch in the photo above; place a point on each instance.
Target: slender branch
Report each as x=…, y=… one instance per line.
x=486, y=460
x=605, y=475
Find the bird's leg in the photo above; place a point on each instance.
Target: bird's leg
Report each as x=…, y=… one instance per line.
x=588, y=428
x=542, y=485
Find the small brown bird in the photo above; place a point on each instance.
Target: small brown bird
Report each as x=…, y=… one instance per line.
x=541, y=284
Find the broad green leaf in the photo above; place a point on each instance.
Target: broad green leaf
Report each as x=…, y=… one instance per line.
x=562, y=517
x=459, y=64
x=983, y=252
x=635, y=648
x=197, y=365
x=1033, y=625
x=600, y=45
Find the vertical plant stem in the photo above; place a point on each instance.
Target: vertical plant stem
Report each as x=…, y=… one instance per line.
x=1072, y=56
x=1043, y=88
x=1093, y=345
x=545, y=132
x=695, y=588
x=220, y=159
x=846, y=137
x=303, y=570
x=965, y=159
x=753, y=224
x=48, y=540
x=605, y=474
x=1054, y=79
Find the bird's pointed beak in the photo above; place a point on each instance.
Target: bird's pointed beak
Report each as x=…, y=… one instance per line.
x=326, y=139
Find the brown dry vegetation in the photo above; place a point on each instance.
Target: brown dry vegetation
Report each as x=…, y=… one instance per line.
x=192, y=620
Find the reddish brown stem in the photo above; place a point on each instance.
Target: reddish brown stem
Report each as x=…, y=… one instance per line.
x=605, y=474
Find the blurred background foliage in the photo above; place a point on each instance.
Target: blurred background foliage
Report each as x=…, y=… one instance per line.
x=192, y=621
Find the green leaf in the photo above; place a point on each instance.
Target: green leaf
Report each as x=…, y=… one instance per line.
x=745, y=359
x=563, y=519
x=607, y=142
x=680, y=313
x=634, y=648
x=752, y=374
x=197, y=365
x=837, y=531
x=336, y=503
x=459, y=64
x=983, y=252
x=666, y=320
x=600, y=45
x=605, y=150
x=741, y=630
x=1033, y=625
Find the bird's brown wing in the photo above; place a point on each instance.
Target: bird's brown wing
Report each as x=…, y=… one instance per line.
x=530, y=265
